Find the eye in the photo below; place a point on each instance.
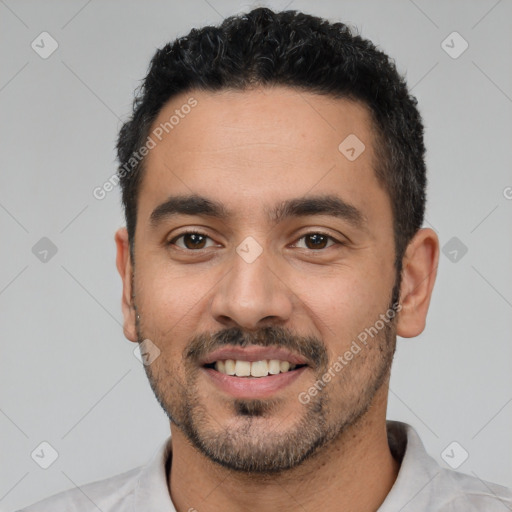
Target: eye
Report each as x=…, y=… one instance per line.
x=191, y=240
x=195, y=240
x=316, y=240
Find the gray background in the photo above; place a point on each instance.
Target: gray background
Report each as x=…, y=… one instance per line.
x=68, y=375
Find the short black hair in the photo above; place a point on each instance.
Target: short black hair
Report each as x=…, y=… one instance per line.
x=290, y=48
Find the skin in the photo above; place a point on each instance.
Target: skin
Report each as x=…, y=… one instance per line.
x=251, y=150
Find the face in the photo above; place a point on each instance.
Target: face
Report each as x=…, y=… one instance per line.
x=258, y=239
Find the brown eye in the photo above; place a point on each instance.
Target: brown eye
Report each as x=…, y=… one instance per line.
x=191, y=240
x=316, y=241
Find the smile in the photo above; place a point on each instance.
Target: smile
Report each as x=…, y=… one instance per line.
x=248, y=387
x=263, y=368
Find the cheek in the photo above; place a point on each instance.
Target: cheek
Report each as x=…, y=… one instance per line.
x=167, y=302
x=344, y=304
x=168, y=288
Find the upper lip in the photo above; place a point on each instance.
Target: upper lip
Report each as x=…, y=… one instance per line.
x=252, y=353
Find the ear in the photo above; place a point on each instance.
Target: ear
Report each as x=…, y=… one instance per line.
x=124, y=267
x=419, y=270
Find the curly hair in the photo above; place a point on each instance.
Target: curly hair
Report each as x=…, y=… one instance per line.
x=290, y=48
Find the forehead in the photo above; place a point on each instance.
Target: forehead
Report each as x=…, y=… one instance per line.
x=258, y=147
x=263, y=115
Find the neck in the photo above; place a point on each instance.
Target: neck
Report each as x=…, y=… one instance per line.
x=354, y=472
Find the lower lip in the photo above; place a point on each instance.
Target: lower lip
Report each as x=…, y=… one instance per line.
x=253, y=387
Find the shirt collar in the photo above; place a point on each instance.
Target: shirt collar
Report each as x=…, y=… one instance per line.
x=417, y=468
x=152, y=491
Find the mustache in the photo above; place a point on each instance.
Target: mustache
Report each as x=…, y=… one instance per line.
x=309, y=347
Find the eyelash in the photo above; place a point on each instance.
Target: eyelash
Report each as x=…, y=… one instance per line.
x=194, y=232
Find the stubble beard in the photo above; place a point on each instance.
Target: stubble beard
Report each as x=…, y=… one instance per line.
x=250, y=447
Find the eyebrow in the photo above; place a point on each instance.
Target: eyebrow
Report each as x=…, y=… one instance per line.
x=329, y=205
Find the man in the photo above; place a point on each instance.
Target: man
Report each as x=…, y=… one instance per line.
x=273, y=181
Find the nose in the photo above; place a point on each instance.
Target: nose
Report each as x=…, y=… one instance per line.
x=252, y=295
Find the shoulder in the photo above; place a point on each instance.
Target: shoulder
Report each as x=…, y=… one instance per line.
x=142, y=488
x=464, y=492
x=109, y=495
x=423, y=485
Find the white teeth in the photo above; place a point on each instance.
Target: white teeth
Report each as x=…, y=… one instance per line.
x=261, y=368
x=284, y=366
x=274, y=367
x=243, y=368
x=229, y=367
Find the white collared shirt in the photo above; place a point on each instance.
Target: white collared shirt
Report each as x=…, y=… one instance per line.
x=422, y=485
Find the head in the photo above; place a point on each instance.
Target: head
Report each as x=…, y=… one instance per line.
x=277, y=206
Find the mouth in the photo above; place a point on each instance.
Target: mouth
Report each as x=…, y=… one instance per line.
x=253, y=372
x=255, y=369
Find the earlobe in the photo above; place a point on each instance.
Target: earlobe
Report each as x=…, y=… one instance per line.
x=419, y=272
x=125, y=269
